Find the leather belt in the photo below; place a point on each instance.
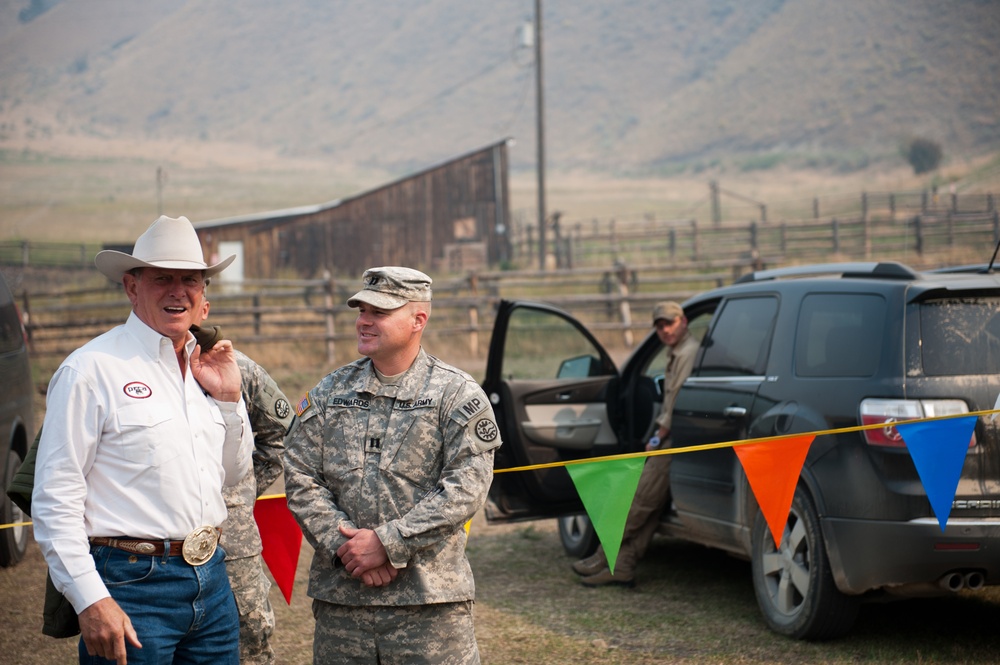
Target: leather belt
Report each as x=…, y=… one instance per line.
x=136, y=546
x=196, y=548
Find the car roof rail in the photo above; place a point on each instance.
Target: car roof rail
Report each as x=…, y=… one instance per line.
x=878, y=269
x=975, y=268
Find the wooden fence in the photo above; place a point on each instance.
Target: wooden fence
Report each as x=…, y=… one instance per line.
x=314, y=312
x=603, y=273
x=861, y=237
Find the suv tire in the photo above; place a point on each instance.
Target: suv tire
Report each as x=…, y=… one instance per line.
x=577, y=535
x=13, y=540
x=793, y=583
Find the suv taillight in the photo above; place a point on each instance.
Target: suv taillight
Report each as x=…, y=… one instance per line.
x=21, y=320
x=890, y=411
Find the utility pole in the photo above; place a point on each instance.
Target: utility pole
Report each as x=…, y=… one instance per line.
x=160, y=177
x=540, y=130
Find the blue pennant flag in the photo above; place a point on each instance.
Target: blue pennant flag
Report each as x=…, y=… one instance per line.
x=938, y=449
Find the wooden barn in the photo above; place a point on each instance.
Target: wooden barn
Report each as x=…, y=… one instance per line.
x=448, y=218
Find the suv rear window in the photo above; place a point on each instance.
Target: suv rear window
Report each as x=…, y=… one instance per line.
x=839, y=334
x=960, y=336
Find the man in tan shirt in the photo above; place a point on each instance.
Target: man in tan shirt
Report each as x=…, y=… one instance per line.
x=653, y=491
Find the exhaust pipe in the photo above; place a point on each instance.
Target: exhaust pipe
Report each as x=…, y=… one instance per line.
x=974, y=580
x=952, y=582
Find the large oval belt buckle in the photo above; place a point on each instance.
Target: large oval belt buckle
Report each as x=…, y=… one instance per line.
x=200, y=544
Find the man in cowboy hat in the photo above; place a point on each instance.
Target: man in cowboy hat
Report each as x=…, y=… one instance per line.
x=142, y=431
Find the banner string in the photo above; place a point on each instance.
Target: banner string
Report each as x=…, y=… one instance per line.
x=741, y=442
x=690, y=449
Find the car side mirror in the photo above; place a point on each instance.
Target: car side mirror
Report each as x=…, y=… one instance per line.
x=579, y=367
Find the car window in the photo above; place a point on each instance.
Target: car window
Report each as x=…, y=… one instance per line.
x=541, y=345
x=740, y=339
x=839, y=334
x=960, y=336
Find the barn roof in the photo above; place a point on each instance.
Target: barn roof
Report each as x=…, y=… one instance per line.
x=312, y=209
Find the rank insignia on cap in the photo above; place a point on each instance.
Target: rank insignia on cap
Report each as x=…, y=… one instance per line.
x=303, y=404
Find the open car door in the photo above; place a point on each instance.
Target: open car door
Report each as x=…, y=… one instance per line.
x=550, y=382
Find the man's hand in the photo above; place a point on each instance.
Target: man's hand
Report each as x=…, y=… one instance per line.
x=104, y=628
x=217, y=372
x=363, y=552
x=380, y=576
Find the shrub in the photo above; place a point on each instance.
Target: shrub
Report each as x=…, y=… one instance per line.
x=923, y=155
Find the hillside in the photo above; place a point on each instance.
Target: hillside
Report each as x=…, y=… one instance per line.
x=631, y=87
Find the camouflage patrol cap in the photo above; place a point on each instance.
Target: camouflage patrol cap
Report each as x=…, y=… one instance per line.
x=667, y=310
x=390, y=287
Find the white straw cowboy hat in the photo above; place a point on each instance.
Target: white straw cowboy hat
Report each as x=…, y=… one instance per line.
x=167, y=243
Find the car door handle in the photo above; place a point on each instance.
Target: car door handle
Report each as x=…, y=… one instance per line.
x=564, y=397
x=734, y=412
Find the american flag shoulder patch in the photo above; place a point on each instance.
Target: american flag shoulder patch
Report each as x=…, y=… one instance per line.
x=303, y=404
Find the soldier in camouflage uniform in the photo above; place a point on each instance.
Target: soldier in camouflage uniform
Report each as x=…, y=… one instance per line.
x=270, y=415
x=387, y=459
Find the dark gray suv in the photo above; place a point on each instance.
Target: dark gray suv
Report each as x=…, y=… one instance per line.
x=784, y=351
x=16, y=421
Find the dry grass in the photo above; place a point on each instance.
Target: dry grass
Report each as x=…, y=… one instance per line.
x=692, y=606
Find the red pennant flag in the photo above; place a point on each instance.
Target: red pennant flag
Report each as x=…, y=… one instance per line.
x=282, y=540
x=773, y=469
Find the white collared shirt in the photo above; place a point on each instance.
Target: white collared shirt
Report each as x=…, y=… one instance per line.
x=129, y=448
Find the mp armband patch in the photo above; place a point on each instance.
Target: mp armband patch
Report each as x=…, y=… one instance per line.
x=472, y=408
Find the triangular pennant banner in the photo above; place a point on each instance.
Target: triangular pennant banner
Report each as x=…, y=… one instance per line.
x=772, y=469
x=938, y=449
x=606, y=489
x=282, y=540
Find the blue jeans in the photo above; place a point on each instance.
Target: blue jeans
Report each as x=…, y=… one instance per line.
x=181, y=613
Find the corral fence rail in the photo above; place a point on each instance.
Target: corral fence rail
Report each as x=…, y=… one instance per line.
x=296, y=311
x=860, y=236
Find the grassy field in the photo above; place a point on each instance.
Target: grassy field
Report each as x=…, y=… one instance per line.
x=111, y=194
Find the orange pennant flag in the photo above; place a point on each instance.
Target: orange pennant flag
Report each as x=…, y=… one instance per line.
x=282, y=540
x=773, y=469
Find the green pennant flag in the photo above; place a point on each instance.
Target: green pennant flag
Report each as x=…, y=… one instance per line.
x=606, y=489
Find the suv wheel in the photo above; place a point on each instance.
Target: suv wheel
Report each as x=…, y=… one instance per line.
x=793, y=584
x=13, y=540
x=577, y=535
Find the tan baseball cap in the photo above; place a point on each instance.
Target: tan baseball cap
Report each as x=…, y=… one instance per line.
x=391, y=287
x=667, y=310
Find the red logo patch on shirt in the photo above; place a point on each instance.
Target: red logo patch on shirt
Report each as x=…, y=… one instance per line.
x=137, y=390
